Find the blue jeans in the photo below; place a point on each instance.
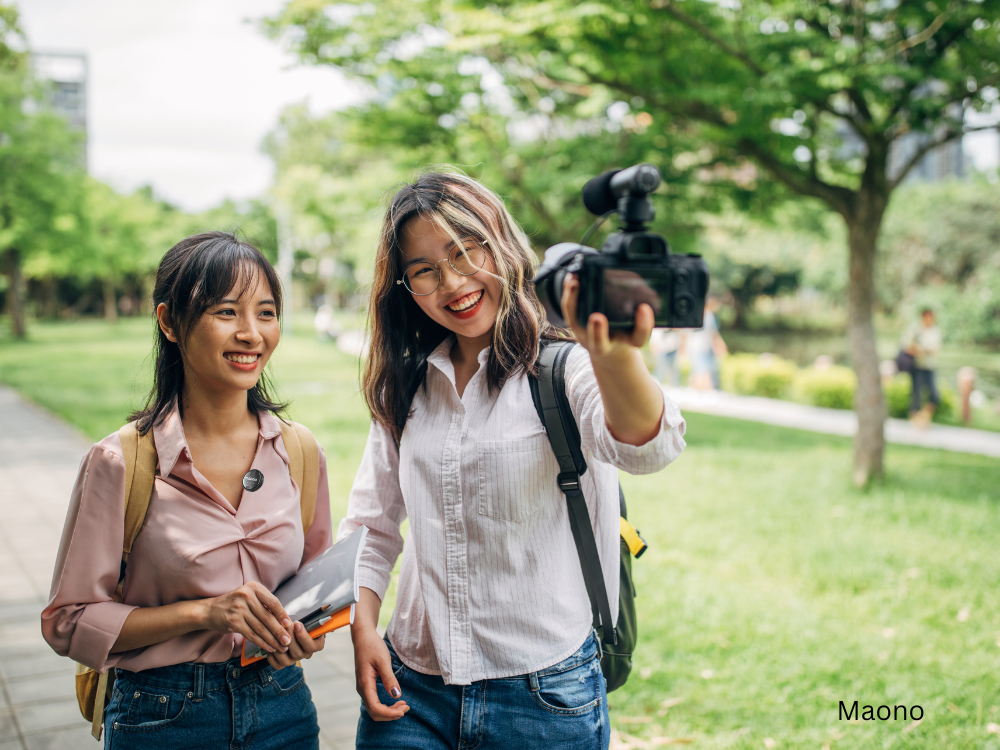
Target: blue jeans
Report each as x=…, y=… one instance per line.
x=562, y=706
x=923, y=379
x=211, y=706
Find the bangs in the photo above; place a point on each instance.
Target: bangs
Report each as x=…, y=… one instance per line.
x=220, y=268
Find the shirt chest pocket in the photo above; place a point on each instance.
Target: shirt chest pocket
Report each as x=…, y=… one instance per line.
x=514, y=476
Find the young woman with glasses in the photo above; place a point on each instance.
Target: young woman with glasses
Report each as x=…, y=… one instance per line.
x=491, y=643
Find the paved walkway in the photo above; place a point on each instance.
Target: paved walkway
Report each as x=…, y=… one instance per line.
x=833, y=421
x=39, y=458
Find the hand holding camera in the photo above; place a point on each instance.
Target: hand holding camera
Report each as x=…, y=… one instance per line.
x=606, y=347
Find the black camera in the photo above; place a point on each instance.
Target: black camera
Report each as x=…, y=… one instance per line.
x=633, y=266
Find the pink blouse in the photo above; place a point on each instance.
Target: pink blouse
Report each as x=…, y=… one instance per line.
x=193, y=545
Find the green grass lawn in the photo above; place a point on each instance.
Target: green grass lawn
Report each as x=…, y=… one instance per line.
x=772, y=589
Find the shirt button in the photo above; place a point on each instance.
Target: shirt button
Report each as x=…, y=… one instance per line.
x=190, y=695
x=116, y=725
x=236, y=673
x=163, y=699
x=135, y=694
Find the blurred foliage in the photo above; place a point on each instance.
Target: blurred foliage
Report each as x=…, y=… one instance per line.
x=829, y=387
x=541, y=95
x=945, y=259
x=41, y=180
x=757, y=375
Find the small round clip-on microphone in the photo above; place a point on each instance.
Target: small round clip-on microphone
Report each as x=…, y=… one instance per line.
x=253, y=480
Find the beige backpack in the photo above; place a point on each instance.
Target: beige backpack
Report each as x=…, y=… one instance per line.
x=92, y=688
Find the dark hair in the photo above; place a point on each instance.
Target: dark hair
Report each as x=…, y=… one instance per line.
x=196, y=273
x=402, y=336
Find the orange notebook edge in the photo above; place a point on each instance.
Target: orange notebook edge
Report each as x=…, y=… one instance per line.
x=337, y=620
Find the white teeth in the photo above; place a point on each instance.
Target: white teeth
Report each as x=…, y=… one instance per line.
x=467, y=303
x=243, y=359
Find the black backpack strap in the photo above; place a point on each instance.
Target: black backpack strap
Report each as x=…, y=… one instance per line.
x=548, y=392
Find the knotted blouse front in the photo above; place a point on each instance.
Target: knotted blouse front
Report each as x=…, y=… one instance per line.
x=193, y=545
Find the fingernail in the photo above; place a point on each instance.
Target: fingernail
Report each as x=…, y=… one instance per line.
x=286, y=623
x=285, y=640
x=298, y=626
x=395, y=692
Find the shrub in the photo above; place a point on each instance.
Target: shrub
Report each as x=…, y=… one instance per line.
x=757, y=375
x=831, y=387
x=897, y=397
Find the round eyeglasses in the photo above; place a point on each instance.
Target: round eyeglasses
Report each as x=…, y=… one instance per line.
x=423, y=278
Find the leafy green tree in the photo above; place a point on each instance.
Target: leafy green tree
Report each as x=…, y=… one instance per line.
x=759, y=99
x=41, y=183
x=124, y=235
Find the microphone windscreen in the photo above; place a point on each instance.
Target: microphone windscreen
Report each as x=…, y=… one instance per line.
x=597, y=195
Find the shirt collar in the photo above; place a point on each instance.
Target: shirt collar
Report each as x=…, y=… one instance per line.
x=441, y=357
x=171, y=442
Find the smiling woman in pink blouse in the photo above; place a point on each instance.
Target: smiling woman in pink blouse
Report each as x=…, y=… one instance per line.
x=200, y=573
x=491, y=644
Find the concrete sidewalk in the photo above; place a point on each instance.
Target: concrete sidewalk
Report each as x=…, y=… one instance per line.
x=833, y=421
x=39, y=459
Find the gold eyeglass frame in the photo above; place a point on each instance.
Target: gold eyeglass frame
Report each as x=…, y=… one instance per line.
x=485, y=244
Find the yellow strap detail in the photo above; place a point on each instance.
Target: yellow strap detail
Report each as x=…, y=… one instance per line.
x=636, y=544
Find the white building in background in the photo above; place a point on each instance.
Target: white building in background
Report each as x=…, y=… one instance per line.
x=66, y=74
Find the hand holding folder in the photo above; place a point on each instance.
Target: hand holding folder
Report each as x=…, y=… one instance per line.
x=322, y=594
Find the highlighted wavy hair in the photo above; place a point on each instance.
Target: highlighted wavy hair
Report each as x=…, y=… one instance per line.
x=402, y=336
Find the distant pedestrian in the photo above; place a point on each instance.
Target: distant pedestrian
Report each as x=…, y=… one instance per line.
x=664, y=344
x=923, y=341
x=704, y=346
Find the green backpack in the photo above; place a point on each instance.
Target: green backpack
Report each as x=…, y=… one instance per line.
x=548, y=392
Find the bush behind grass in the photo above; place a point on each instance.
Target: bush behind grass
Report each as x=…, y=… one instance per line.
x=765, y=566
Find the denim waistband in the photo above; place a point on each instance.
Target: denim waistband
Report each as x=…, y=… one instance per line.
x=199, y=678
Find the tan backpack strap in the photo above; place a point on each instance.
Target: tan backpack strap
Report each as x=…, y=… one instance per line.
x=139, y=452
x=99, y=698
x=140, y=473
x=303, y=465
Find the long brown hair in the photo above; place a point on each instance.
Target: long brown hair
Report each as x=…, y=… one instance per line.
x=196, y=273
x=402, y=335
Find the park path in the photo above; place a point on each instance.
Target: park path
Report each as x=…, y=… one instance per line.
x=39, y=459
x=833, y=421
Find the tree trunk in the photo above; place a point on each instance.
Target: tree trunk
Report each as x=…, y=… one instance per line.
x=15, y=292
x=110, y=300
x=863, y=227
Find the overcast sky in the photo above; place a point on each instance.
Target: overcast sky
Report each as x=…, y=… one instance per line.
x=181, y=93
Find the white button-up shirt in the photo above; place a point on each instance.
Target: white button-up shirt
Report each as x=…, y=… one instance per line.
x=490, y=584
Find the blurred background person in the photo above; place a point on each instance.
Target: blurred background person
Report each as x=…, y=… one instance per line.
x=923, y=341
x=704, y=346
x=664, y=344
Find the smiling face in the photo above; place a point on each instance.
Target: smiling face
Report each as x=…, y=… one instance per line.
x=230, y=344
x=465, y=305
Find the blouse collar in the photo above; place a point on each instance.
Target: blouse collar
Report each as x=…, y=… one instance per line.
x=171, y=442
